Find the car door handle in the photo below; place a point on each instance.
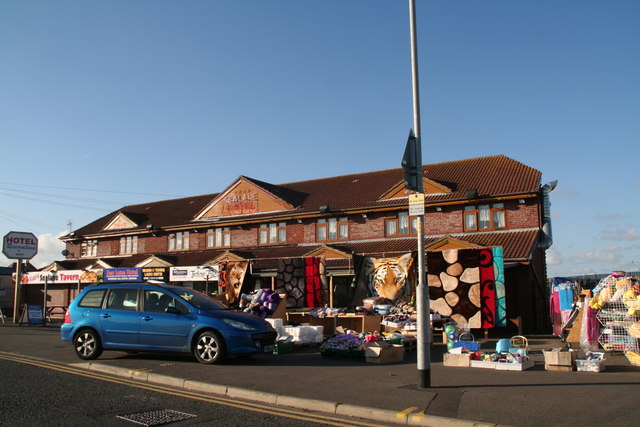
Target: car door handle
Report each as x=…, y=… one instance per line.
x=147, y=318
x=106, y=315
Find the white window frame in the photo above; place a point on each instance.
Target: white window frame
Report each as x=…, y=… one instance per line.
x=129, y=245
x=89, y=248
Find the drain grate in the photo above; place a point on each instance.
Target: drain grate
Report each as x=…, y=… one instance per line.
x=156, y=418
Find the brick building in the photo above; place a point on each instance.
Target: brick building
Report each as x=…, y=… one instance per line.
x=480, y=202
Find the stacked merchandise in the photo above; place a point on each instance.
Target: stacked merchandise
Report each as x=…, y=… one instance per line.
x=591, y=362
x=381, y=347
x=616, y=301
x=325, y=311
x=398, y=320
x=510, y=354
x=401, y=316
x=291, y=336
x=563, y=304
x=349, y=345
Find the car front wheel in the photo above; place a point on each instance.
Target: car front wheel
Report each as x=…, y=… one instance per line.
x=87, y=345
x=209, y=348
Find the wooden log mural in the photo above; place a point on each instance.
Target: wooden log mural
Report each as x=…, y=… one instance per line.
x=453, y=277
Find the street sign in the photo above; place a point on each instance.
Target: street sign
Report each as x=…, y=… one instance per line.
x=18, y=245
x=412, y=164
x=416, y=204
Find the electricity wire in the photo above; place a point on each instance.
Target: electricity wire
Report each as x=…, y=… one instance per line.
x=92, y=190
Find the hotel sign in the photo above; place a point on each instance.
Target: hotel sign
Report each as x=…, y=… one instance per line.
x=240, y=202
x=17, y=245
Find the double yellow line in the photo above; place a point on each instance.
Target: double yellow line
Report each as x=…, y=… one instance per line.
x=226, y=401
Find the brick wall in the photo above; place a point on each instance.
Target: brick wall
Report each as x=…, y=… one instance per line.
x=448, y=221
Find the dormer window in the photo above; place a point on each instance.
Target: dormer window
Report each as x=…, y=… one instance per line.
x=484, y=217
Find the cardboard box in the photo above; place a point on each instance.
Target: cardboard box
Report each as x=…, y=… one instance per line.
x=380, y=352
x=560, y=358
x=457, y=360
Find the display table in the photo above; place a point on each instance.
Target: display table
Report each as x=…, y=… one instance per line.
x=359, y=323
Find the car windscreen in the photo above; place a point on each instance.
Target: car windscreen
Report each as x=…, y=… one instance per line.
x=197, y=299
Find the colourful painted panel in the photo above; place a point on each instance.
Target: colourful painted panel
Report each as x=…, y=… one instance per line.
x=501, y=301
x=453, y=277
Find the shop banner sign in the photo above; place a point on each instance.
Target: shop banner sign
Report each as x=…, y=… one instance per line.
x=155, y=273
x=198, y=273
x=61, y=277
x=122, y=274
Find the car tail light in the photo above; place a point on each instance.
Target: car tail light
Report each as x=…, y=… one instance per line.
x=67, y=317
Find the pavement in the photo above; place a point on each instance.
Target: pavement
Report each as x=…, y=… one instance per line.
x=382, y=393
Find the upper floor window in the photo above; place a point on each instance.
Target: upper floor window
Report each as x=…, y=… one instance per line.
x=332, y=229
x=218, y=237
x=273, y=233
x=402, y=225
x=484, y=217
x=129, y=245
x=179, y=241
x=89, y=248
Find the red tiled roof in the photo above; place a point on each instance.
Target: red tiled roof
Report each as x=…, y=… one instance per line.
x=490, y=176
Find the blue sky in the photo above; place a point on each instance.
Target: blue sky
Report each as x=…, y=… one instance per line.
x=104, y=104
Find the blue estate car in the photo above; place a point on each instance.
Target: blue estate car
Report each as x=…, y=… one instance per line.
x=148, y=317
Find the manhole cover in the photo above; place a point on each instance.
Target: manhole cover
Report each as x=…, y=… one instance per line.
x=156, y=418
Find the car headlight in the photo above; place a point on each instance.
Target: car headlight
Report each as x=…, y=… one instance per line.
x=239, y=325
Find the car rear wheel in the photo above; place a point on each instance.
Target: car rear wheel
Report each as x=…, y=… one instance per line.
x=87, y=344
x=209, y=348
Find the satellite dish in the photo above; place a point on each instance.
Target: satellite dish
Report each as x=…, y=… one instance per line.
x=65, y=252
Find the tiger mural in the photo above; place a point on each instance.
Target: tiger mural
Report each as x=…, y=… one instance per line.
x=390, y=278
